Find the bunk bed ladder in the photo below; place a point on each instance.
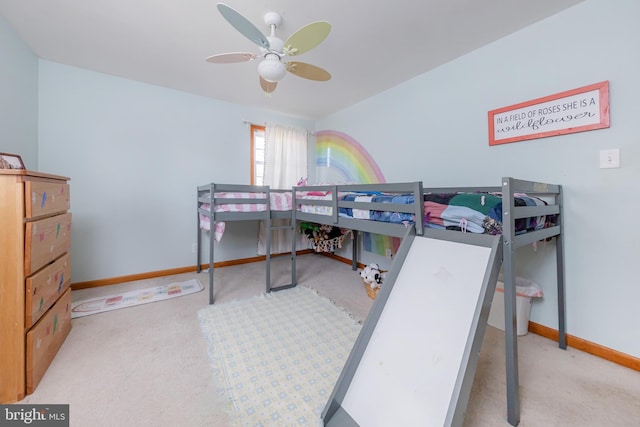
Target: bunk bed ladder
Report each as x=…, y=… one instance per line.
x=270, y=228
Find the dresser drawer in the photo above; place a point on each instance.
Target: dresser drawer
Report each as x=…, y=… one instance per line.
x=46, y=240
x=45, y=339
x=43, y=288
x=46, y=198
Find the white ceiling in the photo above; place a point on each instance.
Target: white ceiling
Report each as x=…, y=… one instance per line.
x=373, y=45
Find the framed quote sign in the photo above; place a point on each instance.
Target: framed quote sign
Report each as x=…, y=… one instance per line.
x=577, y=110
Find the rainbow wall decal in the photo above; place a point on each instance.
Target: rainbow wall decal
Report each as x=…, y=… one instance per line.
x=340, y=158
x=340, y=155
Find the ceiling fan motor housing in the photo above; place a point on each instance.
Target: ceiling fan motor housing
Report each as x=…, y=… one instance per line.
x=276, y=45
x=272, y=18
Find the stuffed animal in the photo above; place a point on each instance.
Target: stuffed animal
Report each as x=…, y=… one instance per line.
x=372, y=276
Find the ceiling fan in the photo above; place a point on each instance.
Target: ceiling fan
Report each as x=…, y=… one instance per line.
x=273, y=50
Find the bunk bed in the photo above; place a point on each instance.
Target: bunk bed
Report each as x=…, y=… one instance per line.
x=219, y=203
x=394, y=208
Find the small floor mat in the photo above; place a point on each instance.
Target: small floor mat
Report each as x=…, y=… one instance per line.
x=132, y=298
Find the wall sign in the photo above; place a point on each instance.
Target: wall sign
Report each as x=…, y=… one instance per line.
x=577, y=110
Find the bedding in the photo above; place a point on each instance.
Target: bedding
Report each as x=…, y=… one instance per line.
x=384, y=216
x=478, y=212
x=374, y=215
x=316, y=209
x=279, y=201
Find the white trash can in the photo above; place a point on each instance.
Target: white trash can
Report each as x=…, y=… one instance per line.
x=525, y=290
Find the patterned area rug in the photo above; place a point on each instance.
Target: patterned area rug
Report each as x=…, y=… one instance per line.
x=280, y=354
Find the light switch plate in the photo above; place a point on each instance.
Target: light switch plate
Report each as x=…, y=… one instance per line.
x=610, y=158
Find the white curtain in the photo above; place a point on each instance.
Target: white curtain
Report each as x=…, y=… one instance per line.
x=285, y=163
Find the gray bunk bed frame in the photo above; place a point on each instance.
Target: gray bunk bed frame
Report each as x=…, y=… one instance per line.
x=511, y=241
x=206, y=194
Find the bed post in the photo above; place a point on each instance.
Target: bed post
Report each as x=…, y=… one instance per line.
x=267, y=226
x=510, y=337
x=198, y=231
x=562, y=326
x=212, y=224
x=418, y=196
x=354, y=250
x=294, y=233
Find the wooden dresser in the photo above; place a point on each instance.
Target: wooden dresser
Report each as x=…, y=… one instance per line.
x=35, y=277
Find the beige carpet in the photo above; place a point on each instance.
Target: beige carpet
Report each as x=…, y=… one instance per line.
x=148, y=365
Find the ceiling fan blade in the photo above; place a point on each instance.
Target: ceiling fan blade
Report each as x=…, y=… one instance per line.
x=229, y=58
x=308, y=71
x=243, y=25
x=267, y=87
x=307, y=37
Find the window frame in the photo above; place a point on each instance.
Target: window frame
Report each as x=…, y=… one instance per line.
x=254, y=130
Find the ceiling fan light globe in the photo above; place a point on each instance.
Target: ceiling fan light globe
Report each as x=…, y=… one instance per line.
x=271, y=69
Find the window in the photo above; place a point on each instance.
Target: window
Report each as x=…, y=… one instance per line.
x=257, y=155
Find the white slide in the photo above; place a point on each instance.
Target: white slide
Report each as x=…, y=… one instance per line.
x=414, y=361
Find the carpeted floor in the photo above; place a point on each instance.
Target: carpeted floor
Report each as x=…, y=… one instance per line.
x=148, y=365
x=279, y=355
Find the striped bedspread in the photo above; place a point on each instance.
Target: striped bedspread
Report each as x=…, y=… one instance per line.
x=278, y=202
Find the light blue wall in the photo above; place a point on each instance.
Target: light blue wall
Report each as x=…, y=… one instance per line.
x=135, y=154
x=434, y=128
x=18, y=97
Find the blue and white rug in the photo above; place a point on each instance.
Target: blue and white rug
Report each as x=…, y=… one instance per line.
x=279, y=354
